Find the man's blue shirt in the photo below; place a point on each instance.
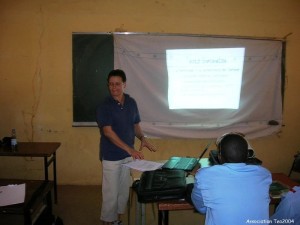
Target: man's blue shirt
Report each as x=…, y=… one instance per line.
x=122, y=119
x=233, y=193
x=288, y=210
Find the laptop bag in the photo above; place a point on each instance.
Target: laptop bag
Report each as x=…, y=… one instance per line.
x=160, y=185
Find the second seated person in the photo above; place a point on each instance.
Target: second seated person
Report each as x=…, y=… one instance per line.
x=233, y=192
x=119, y=120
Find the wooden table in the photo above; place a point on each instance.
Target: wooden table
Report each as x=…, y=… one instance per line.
x=37, y=200
x=172, y=205
x=37, y=149
x=165, y=206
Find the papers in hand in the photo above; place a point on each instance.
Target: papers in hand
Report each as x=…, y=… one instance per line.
x=143, y=165
x=12, y=194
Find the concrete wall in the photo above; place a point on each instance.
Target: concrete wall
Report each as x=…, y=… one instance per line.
x=36, y=72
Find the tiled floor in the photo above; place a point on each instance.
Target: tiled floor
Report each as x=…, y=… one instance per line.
x=80, y=205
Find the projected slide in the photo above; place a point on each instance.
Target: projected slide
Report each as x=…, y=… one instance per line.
x=205, y=78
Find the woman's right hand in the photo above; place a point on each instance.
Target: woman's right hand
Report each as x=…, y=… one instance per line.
x=136, y=154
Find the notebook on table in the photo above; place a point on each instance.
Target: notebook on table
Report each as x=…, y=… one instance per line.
x=184, y=163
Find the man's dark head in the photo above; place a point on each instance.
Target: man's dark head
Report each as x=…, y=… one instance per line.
x=117, y=72
x=233, y=148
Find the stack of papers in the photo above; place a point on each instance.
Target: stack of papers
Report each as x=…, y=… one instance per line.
x=12, y=194
x=143, y=165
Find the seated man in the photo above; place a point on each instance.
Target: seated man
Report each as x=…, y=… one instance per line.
x=233, y=192
x=288, y=210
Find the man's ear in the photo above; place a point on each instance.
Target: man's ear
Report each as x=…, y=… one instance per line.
x=220, y=158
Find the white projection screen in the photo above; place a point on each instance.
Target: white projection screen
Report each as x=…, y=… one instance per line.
x=201, y=87
x=205, y=78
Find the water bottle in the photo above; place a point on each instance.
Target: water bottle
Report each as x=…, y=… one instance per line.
x=14, y=143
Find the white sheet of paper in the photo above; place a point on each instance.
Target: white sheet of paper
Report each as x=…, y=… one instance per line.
x=12, y=194
x=143, y=165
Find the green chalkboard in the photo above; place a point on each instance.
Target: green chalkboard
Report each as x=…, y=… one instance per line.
x=93, y=59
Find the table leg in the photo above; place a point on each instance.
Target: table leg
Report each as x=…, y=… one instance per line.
x=49, y=201
x=137, y=213
x=46, y=165
x=159, y=217
x=163, y=217
x=143, y=214
x=54, y=178
x=140, y=213
x=46, y=168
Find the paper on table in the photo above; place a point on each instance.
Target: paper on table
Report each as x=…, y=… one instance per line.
x=12, y=194
x=143, y=165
